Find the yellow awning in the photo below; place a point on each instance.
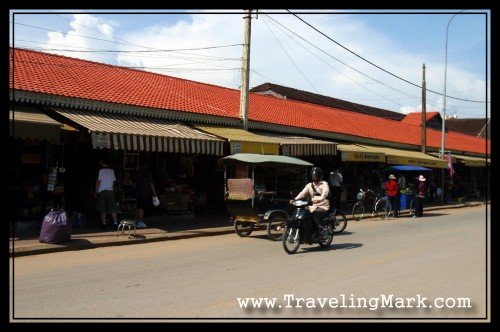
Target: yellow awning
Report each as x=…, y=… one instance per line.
x=473, y=161
x=35, y=125
x=407, y=157
x=297, y=146
x=356, y=152
x=436, y=154
x=242, y=141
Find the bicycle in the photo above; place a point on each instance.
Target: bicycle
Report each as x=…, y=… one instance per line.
x=380, y=206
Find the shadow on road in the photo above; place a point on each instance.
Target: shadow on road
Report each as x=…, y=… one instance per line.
x=334, y=246
x=343, y=233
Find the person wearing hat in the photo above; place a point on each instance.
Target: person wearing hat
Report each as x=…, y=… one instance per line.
x=392, y=190
x=419, y=198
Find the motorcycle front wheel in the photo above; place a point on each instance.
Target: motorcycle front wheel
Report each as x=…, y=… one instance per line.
x=291, y=240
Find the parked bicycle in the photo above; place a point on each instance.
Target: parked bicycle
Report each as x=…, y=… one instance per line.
x=380, y=206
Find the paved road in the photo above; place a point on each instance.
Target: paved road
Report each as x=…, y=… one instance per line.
x=440, y=256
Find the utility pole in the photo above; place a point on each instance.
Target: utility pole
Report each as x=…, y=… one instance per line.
x=245, y=70
x=424, y=113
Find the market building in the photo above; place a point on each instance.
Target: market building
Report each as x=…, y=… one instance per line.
x=66, y=113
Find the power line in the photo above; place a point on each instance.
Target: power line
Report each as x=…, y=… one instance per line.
x=128, y=44
x=342, y=62
x=343, y=73
x=376, y=66
x=194, y=55
x=284, y=50
x=91, y=64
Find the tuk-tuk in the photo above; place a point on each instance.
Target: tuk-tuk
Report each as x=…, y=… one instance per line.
x=258, y=189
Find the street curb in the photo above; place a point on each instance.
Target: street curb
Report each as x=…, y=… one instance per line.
x=52, y=248
x=43, y=249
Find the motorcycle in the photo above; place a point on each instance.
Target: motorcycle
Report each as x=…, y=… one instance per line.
x=297, y=229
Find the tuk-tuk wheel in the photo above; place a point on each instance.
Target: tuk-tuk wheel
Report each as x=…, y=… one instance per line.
x=243, y=229
x=276, y=227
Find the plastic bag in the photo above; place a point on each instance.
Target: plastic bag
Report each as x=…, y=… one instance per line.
x=55, y=227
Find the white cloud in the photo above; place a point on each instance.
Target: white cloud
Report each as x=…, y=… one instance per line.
x=82, y=26
x=270, y=63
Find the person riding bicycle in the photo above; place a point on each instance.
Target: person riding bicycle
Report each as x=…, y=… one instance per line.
x=318, y=190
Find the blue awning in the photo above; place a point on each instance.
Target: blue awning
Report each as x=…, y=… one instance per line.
x=407, y=168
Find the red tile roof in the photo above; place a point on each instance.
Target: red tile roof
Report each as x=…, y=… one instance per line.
x=60, y=75
x=415, y=118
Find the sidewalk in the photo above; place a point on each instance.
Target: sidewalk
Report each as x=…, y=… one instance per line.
x=26, y=241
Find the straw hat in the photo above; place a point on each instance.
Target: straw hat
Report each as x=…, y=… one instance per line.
x=421, y=178
x=392, y=177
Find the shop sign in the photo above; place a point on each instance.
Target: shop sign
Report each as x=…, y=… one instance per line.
x=100, y=140
x=416, y=162
x=235, y=148
x=362, y=156
x=475, y=163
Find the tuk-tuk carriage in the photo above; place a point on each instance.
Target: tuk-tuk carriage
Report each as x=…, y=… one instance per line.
x=258, y=189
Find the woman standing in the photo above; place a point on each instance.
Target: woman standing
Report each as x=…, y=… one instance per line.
x=392, y=190
x=419, y=198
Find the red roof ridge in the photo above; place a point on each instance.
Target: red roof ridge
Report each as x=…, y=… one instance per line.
x=116, y=66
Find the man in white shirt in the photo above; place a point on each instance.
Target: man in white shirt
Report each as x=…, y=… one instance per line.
x=105, y=194
x=336, y=185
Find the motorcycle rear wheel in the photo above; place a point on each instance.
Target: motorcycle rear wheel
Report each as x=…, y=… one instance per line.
x=323, y=243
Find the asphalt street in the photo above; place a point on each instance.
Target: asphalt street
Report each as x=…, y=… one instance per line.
x=441, y=257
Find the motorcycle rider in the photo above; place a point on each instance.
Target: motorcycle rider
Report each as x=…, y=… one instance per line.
x=318, y=190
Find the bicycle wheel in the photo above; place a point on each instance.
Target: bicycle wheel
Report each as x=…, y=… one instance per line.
x=358, y=211
x=339, y=222
x=382, y=208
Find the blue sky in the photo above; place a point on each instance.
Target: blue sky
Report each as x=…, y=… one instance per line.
x=286, y=51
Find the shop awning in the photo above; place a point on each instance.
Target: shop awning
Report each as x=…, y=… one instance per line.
x=407, y=157
x=473, y=161
x=114, y=131
x=435, y=154
x=356, y=152
x=35, y=125
x=243, y=141
x=302, y=146
x=467, y=160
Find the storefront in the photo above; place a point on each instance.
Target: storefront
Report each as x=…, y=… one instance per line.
x=366, y=158
x=358, y=163
x=182, y=159
x=35, y=143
